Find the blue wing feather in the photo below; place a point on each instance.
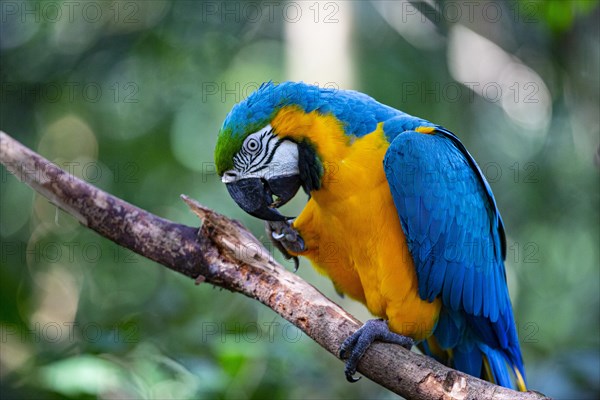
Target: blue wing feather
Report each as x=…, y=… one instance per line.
x=456, y=291
x=456, y=237
x=468, y=356
x=468, y=289
x=450, y=326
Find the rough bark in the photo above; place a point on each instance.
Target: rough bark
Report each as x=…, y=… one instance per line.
x=222, y=252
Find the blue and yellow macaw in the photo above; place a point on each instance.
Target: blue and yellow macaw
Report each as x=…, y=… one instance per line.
x=399, y=217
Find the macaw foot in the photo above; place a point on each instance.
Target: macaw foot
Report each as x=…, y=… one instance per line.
x=355, y=345
x=286, y=239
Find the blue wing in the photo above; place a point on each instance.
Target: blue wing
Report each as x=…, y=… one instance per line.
x=456, y=237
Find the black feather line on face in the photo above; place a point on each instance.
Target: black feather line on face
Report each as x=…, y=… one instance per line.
x=270, y=154
x=250, y=161
x=310, y=166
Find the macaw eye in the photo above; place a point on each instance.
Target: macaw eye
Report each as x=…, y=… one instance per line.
x=252, y=145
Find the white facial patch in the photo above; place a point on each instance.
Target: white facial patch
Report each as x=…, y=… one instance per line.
x=264, y=155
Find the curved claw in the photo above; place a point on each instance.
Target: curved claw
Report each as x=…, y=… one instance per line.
x=350, y=378
x=355, y=345
x=277, y=236
x=286, y=239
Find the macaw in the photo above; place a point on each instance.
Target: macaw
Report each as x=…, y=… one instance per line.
x=399, y=217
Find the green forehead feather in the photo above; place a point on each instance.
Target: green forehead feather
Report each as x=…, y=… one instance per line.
x=230, y=141
x=227, y=145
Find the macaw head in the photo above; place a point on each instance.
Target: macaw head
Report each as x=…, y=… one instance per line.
x=261, y=167
x=263, y=172
x=274, y=142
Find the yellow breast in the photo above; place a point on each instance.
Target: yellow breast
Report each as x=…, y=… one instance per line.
x=351, y=227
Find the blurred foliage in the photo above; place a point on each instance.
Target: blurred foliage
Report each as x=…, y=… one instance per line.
x=560, y=15
x=130, y=96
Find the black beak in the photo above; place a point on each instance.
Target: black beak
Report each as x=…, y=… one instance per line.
x=255, y=195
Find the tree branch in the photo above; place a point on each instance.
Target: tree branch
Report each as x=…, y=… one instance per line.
x=222, y=252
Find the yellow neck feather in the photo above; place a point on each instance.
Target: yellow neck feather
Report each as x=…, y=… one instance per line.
x=344, y=157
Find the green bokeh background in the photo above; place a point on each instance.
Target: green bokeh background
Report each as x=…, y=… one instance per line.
x=131, y=99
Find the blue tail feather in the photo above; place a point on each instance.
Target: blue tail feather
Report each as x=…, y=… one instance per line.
x=498, y=365
x=470, y=341
x=468, y=358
